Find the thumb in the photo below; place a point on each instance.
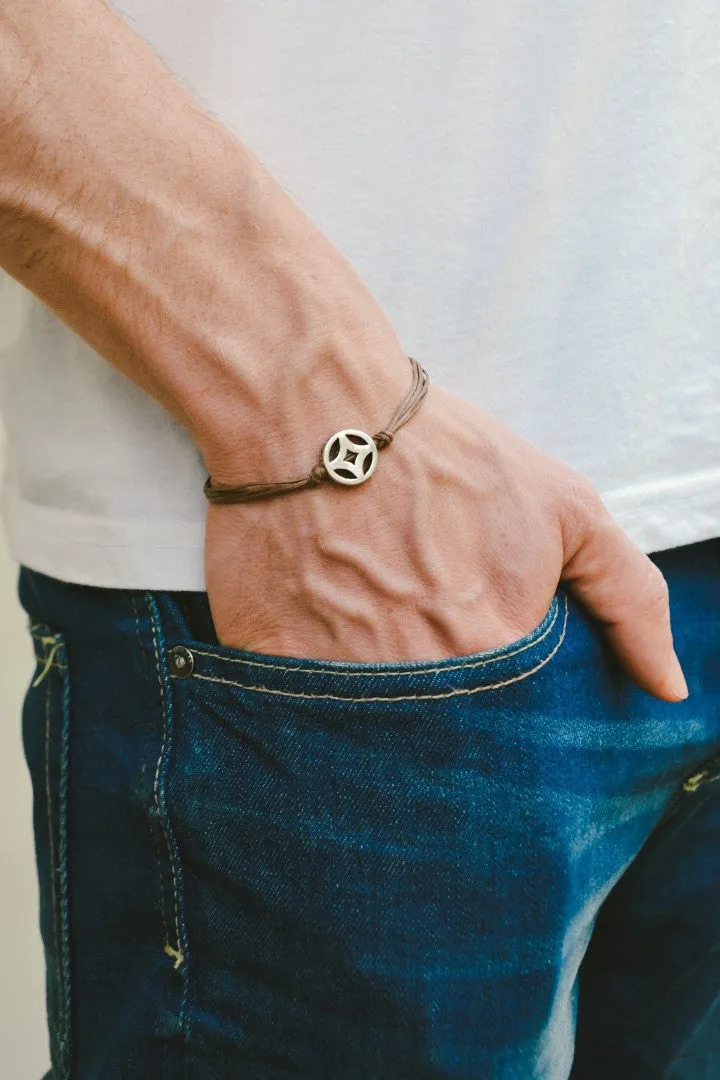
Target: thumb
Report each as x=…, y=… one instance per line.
x=625, y=591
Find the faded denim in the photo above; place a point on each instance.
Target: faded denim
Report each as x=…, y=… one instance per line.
x=258, y=868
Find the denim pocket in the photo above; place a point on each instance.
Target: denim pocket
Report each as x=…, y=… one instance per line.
x=46, y=739
x=374, y=683
x=340, y=826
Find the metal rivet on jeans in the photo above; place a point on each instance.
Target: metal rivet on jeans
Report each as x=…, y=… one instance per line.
x=182, y=661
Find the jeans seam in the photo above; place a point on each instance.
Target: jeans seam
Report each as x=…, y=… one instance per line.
x=174, y=952
x=63, y=799
x=58, y=857
x=464, y=691
x=151, y=831
x=59, y=1029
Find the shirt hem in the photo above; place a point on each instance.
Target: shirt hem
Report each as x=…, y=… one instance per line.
x=169, y=556
x=104, y=552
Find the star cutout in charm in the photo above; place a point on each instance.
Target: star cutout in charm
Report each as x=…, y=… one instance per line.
x=350, y=456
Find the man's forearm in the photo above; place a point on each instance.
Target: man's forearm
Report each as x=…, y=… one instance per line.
x=163, y=242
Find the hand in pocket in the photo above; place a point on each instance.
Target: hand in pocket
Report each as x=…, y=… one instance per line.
x=455, y=546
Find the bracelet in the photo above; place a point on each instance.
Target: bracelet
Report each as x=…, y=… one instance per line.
x=349, y=456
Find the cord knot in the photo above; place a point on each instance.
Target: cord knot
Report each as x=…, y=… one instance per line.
x=382, y=439
x=317, y=475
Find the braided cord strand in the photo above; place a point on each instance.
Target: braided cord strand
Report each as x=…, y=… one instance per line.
x=226, y=493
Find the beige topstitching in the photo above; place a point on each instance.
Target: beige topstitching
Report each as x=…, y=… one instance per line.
x=462, y=665
x=403, y=697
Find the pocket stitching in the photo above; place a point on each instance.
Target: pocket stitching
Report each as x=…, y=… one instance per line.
x=63, y=854
x=465, y=665
x=61, y=1034
x=175, y=953
x=151, y=831
x=58, y=856
x=403, y=697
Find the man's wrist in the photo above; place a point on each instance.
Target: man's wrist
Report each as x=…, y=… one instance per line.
x=272, y=399
x=152, y=232
x=233, y=311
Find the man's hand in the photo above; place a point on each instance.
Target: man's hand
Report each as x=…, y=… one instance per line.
x=163, y=242
x=456, y=545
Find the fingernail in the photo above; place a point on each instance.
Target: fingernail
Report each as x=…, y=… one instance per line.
x=675, y=682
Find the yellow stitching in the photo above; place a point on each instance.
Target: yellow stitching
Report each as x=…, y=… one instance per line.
x=401, y=697
x=48, y=664
x=51, y=855
x=176, y=953
x=693, y=782
x=152, y=833
x=464, y=666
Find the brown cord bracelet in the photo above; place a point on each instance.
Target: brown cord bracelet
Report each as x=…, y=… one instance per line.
x=349, y=456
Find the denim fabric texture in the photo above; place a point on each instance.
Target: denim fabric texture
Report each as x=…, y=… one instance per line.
x=500, y=867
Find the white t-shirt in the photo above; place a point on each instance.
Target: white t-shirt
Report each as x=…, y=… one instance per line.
x=531, y=190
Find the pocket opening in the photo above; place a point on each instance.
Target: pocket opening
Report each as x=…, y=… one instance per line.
x=330, y=680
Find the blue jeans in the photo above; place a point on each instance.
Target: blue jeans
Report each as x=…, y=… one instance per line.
x=500, y=867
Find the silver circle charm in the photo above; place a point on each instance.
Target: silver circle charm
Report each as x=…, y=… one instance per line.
x=350, y=456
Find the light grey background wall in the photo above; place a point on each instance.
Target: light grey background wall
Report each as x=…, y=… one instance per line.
x=23, y=1038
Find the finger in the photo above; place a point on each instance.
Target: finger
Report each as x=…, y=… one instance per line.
x=625, y=591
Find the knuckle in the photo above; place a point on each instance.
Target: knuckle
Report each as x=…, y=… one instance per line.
x=582, y=507
x=645, y=588
x=582, y=494
x=638, y=592
x=657, y=594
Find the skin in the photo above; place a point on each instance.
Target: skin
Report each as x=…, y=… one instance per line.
x=154, y=233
